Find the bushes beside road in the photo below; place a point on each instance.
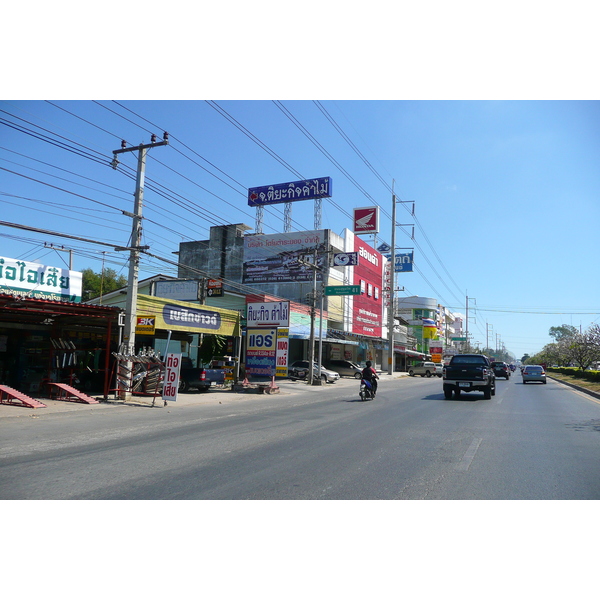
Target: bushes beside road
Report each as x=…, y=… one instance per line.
x=576, y=373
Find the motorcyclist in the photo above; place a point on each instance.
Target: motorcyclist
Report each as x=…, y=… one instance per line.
x=370, y=375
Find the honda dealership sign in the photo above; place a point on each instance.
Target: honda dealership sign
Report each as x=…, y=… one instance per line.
x=366, y=220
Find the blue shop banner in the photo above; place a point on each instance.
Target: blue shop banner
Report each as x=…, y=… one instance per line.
x=308, y=189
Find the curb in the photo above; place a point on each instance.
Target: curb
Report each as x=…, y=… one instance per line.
x=576, y=387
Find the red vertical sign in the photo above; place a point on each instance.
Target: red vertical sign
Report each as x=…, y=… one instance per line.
x=368, y=307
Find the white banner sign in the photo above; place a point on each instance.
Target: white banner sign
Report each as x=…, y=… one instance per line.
x=270, y=314
x=171, y=381
x=33, y=280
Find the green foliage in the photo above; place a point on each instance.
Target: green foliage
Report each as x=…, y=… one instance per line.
x=97, y=284
x=577, y=373
x=561, y=332
x=212, y=345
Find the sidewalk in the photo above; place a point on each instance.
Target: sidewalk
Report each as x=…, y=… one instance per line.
x=216, y=395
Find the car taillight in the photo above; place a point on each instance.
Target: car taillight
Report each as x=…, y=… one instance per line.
x=203, y=376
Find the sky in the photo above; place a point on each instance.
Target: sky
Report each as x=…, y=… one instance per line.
x=505, y=193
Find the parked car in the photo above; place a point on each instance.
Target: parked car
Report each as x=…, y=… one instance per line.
x=501, y=369
x=346, y=368
x=426, y=369
x=534, y=373
x=299, y=370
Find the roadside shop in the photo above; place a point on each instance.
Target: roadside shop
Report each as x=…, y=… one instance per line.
x=44, y=340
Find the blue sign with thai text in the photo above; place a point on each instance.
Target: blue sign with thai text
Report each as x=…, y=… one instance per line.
x=404, y=263
x=308, y=189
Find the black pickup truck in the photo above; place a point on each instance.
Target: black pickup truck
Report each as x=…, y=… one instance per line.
x=468, y=373
x=201, y=379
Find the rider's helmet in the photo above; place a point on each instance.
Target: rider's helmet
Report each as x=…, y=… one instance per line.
x=368, y=363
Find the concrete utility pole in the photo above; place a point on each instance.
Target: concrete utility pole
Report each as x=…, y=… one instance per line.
x=136, y=235
x=392, y=294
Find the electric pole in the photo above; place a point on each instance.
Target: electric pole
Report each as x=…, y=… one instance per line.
x=136, y=237
x=392, y=294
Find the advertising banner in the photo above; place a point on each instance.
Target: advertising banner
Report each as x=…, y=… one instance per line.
x=368, y=306
x=33, y=280
x=283, y=342
x=308, y=189
x=274, y=258
x=185, y=316
x=171, y=381
x=261, y=350
x=271, y=314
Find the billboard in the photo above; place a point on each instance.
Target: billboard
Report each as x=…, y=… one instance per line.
x=274, y=258
x=261, y=351
x=367, y=309
x=34, y=280
x=308, y=189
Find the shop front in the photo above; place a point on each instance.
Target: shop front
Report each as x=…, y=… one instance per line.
x=190, y=328
x=44, y=340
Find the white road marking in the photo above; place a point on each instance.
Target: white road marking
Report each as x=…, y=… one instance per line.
x=467, y=459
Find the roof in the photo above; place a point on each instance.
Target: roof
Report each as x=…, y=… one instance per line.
x=38, y=311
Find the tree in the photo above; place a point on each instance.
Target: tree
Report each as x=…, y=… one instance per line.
x=211, y=346
x=525, y=358
x=562, y=332
x=98, y=284
x=582, y=349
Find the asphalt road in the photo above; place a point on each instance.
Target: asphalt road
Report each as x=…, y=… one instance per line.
x=529, y=441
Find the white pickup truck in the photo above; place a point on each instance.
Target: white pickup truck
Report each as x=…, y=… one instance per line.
x=426, y=369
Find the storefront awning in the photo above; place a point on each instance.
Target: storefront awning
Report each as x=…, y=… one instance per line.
x=177, y=315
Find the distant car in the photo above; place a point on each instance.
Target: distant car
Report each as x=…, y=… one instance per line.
x=534, y=373
x=299, y=370
x=426, y=369
x=501, y=369
x=346, y=368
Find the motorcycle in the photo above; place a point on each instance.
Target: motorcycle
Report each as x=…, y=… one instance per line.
x=366, y=390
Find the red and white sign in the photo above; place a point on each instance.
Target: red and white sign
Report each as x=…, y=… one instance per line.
x=171, y=381
x=366, y=220
x=368, y=307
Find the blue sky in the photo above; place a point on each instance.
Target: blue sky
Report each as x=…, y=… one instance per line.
x=506, y=193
